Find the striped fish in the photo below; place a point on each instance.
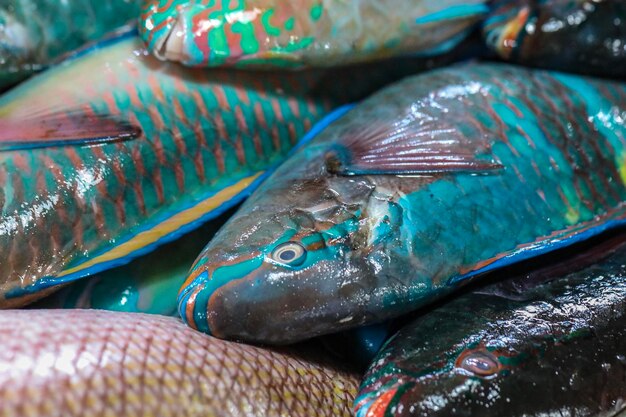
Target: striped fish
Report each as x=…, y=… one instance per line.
x=273, y=33
x=33, y=33
x=77, y=363
x=113, y=153
x=419, y=190
x=570, y=35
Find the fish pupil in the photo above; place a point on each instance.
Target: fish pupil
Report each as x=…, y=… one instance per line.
x=288, y=255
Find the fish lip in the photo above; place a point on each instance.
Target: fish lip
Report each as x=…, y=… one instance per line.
x=171, y=47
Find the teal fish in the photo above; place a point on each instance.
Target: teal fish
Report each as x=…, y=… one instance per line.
x=113, y=153
x=90, y=363
x=556, y=349
x=33, y=33
x=569, y=35
x=420, y=189
x=307, y=33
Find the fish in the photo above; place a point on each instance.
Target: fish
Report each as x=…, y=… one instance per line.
x=312, y=33
x=561, y=343
x=112, y=153
x=35, y=33
x=92, y=363
x=419, y=190
x=148, y=284
x=567, y=35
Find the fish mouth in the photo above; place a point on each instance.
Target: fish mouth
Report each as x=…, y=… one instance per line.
x=171, y=47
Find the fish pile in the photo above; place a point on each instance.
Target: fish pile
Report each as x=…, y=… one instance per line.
x=250, y=208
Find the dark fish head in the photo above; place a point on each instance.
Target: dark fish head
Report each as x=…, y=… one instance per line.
x=462, y=382
x=292, y=252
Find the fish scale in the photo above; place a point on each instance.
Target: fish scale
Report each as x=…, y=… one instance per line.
x=441, y=168
x=99, y=363
x=96, y=173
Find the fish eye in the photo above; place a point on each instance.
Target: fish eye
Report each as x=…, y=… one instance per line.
x=481, y=363
x=289, y=253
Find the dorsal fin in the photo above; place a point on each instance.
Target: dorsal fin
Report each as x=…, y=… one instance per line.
x=63, y=129
x=411, y=146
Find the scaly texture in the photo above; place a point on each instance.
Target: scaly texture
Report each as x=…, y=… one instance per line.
x=419, y=190
x=97, y=363
x=35, y=32
x=582, y=36
x=170, y=148
x=556, y=349
x=270, y=33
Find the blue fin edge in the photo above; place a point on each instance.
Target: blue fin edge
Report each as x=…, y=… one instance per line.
x=541, y=249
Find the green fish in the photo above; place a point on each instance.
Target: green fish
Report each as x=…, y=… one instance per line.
x=90, y=363
x=306, y=33
x=419, y=190
x=570, y=35
x=113, y=153
x=34, y=33
x=508, y=350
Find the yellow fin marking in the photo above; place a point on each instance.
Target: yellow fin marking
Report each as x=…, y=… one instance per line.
x=168, y=226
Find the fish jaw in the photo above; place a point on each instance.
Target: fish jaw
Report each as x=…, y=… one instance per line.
x=209, y=36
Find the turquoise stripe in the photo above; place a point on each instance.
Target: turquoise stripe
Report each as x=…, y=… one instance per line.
x=454, y=12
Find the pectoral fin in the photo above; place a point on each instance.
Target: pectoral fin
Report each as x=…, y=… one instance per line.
x=410, y=146
x=63, y=129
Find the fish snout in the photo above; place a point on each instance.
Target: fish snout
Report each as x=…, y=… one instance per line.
x=205, y=35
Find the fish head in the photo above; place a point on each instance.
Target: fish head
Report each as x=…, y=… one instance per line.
x=217, y=34
x=296, y=248
x=427, y=382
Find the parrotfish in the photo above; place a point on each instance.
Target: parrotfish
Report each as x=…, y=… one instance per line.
x=569, y=35
x=96, y=363
x=556, y=349
x=33, y=33
x=112, y=153
x=420, y=189
x=273, y=33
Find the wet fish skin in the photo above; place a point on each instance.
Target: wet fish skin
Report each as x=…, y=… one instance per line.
x=567, y=35
x=271, y=33
x=112, y=153
x=563, y=345
x=33, y=33
x=538, y=152
x=99, y=363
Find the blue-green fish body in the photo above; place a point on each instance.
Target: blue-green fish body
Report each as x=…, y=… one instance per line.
x=33, y=33
x=113, y=153
x=556, y=349
x=569, y=35
x=419, y=190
